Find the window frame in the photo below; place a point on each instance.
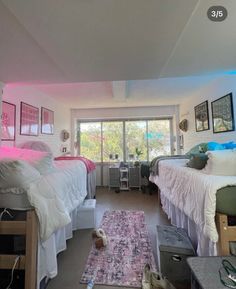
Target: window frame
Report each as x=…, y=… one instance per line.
x=123, y=120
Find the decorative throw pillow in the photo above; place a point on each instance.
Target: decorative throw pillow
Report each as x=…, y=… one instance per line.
x=199, y=148
x=35, y=146
x=221, y=162
x=17, y=174
x=213, y=146
x=229, y=145
x=197, y=161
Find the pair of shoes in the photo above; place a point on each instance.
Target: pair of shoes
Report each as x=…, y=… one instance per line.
x=100, y=238
x=154, y=280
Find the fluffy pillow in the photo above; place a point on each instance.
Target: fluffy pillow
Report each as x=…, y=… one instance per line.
x=229, y=145
x=36, y=146
x=17, y=173
x=197, y=161
x=221, y=162
x=42, y=161
x=213, y=146
x=199, y=148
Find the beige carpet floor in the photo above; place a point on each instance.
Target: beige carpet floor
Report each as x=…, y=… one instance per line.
x=72, y=261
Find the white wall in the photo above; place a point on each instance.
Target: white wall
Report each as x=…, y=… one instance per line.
x=210, y=92
x=15, y=94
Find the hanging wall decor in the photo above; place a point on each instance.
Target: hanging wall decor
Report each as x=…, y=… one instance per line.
x=223, y=114
x=47, y=121
x=29, y=120
x=8, y=121
x=183, y=125
x=202, y=116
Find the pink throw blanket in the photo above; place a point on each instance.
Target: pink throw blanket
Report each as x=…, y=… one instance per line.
x=90, y=165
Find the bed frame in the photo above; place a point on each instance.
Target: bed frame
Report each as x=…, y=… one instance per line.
x=226, y=233
x=26, y=223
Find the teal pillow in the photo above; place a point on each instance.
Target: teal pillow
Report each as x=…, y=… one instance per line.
x=199, y=148
x=229, y=145
x=214, y=146
x=197, y=161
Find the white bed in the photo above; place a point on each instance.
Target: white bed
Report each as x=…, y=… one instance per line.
x=56, y=197
x=188, y=197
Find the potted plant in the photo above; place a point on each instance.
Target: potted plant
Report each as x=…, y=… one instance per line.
x=138, y=153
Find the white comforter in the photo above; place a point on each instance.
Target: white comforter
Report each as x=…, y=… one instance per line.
x=56, y=194
x=192, y=191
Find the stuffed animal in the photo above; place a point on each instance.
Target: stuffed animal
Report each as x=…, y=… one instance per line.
x=100, y=238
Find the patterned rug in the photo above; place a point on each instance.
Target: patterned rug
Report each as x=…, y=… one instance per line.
x=121, y=263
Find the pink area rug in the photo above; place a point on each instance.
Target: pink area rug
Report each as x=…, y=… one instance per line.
x=121, y=263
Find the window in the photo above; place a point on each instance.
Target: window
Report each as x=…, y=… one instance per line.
x=90, y=140
x=135, y=132
x=107, y=141
x=158, y=137
x=112, y=140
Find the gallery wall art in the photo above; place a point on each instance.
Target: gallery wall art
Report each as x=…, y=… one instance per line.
x=29, y=120
x=47, y=121
x=202, y=116
x=8, y=121
x=223, y=114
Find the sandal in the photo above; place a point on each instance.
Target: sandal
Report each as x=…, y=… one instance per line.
x=158, y=282
x=146, y=284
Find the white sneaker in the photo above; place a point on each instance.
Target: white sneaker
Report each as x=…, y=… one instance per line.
x=146, y=284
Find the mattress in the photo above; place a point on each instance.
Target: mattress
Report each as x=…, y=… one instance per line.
x=192, y=191
x=16, y=198
x=226, y=200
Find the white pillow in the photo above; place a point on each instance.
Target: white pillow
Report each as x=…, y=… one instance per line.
x=221, y=162
x=36, y=146
x=42, y=161
x=17, y=174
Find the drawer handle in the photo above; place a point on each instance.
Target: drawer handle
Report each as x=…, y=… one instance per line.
x=176, y=258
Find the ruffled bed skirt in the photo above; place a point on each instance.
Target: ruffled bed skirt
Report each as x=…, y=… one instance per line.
x=203, y=245
x=48, y=250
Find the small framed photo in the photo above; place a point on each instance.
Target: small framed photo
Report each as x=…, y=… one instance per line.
x=223, y=114
x=47, y=121
x=8, y=121
x=29, y=120
x=202, y=116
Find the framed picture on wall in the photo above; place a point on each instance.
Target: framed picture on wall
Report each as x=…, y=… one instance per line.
x=8, y=121
x=223, y=114
x=47, y=121
x=29, y=120
x=202, y=116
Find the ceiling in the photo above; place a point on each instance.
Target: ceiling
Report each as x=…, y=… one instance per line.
x=152, y=92
x=76, y=48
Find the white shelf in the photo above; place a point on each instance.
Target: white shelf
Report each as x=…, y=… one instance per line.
x=124, y=178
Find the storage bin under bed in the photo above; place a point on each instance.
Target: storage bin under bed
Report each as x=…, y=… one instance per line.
x=86, y=214
x=173, y=248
